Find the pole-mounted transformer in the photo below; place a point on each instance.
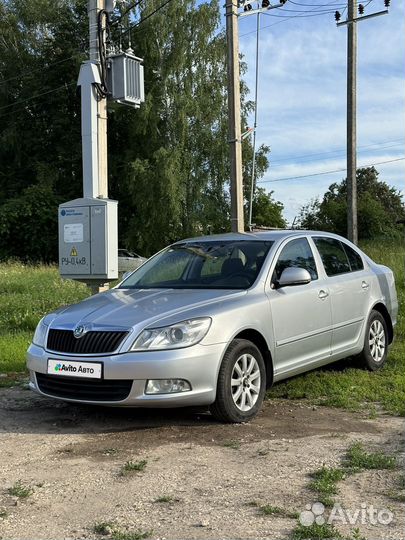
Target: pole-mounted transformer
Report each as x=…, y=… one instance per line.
x=125, y=80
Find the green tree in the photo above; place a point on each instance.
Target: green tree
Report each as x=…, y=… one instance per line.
x=168, y=160
x=379, y=208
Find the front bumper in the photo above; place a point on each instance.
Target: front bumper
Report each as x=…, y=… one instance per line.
x=199, y=365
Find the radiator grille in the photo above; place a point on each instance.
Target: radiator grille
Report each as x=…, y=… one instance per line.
x=91, y=343
x=84, y=389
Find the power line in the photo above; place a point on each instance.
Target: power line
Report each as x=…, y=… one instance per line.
x=65, y=86
x=328, y=172
x=288, y=18
x=380, y=146
x=144, y=19
x=28, y=73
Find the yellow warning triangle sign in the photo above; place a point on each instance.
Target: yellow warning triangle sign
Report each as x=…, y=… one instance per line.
x=73, y=252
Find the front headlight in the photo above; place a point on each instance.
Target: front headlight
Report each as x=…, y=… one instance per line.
x=40, y=334
x=175, y=336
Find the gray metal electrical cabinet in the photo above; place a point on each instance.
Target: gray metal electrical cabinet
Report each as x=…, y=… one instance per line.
x=88, y=236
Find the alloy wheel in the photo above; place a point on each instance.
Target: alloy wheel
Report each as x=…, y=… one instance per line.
x=377, y=340
x=245, y=382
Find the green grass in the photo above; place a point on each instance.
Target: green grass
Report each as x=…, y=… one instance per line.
x=269, y=510
x=315, y=532
x=358, y=459
x=20, y=490
x=119, y=534
x=322, y=532
x=341, y=385
x=166, y=499
x=112, y=531
x=27, y=293
x=133, y=466
x=235, y=445
x=103, y=527
x=324, y=483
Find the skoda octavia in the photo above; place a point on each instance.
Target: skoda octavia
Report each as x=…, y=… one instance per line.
x=214, y=321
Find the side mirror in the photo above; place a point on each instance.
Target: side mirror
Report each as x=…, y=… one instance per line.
x=294, y=276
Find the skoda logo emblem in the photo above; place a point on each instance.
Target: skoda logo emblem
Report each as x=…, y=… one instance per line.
x=79, y=331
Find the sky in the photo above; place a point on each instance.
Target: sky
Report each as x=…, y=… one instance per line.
x=302, y=95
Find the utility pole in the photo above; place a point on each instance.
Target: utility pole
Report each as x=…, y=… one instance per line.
x=252, y=186
x=235, y=142
x=351, y=23
x=88, y=226
x=94, y=7
x=352, y=229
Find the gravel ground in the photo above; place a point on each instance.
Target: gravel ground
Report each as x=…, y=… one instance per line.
x=208, y=474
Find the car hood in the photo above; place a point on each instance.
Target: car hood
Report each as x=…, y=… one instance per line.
x=125, y=308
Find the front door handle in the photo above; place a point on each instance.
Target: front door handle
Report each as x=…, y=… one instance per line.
x=323, y=294
x=365, y=285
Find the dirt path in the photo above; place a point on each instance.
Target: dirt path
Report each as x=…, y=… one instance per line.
x=208, y=474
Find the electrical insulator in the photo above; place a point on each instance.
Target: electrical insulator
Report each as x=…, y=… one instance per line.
x=361, y=9
x=337, y=16
x=265, y=3
x=387, y=3
x=283, y=1
x=247, y=7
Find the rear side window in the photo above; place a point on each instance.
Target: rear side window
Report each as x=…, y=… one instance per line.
x=296, y=253
x=333, y=256
x=355, y=260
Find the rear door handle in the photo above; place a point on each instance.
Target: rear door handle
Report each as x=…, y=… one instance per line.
x=323, y=294
x=365, y=285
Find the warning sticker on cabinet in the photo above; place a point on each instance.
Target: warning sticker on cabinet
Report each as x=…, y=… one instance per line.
x=73, y=233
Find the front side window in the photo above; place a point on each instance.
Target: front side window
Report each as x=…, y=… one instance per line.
x=333, y=256
x=202, y=265
x=297, y=253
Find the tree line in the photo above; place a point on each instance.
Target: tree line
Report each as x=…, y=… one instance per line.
x=168, y=160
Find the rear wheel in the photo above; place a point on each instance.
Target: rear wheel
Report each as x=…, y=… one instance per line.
x=374, y=353
x=241, y=383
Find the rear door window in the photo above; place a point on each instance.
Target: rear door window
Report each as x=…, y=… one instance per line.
x=333, y=256
x=356, y=262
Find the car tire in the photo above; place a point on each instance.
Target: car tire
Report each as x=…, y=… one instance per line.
x=240, y=402
x=374, y=353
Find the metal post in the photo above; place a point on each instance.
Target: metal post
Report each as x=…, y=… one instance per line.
x=352, y=230
x=235, y=142
x=252, y=187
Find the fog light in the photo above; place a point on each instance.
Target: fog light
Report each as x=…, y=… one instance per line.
x=167, y=386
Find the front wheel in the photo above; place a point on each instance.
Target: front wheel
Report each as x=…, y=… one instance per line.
x=241, y=383
x=374, y=353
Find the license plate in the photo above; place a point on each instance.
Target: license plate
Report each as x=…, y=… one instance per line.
x=65, y=368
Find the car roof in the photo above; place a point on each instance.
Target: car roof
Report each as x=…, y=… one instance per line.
x=273, y=235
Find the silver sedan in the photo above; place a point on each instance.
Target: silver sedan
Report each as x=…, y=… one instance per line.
x=214, y=321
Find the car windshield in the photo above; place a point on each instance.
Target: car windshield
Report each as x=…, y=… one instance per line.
x=202, y=265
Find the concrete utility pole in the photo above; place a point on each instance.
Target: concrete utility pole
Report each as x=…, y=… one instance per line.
x=352, y=229
x=235, y=142
x=94, y=7
x=351, y=23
